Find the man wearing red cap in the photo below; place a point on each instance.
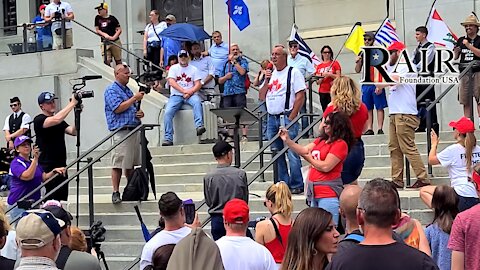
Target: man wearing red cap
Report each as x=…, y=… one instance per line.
x=465, y=229
x=238, y=251
x=43, y=30
x=403, y=122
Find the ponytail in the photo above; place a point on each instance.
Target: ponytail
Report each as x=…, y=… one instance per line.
x=470, y=143
x=279, y=194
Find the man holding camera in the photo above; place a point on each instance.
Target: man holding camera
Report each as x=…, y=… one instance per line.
x=55, y=12
x=108, y=27
x=69, y=259
x=17, y=123
x=50, y=129
x=122, y=111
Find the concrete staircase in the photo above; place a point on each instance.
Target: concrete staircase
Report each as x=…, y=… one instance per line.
x=181, y=169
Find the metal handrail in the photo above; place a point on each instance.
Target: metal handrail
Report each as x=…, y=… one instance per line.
x=89, y=164
x=274, y=158
x=429, y=106
x=145, y=61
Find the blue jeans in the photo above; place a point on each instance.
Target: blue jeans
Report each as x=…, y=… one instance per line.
x=262, y=109
x=173, y=105
x=15, y=212
x=332, y=205
x=295, y=179
x=218, y=229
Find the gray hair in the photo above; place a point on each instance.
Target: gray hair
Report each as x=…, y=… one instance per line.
x=379, y=202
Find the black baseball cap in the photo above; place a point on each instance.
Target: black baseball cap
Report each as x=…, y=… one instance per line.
x=221, y=148
x=60, y=213
x=292, y=42
x=369, y=34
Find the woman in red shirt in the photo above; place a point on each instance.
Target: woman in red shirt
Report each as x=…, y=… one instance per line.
x=346, y=97
x=326, y=156
x=328, y=70
x=273, y=232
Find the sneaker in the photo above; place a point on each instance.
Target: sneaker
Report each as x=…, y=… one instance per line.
x=369, y=132
x=397, y=184
x=419, y=184
x=167, y=143
x=297, y=191
x=244, y=139
x=201, y=130
x=116, y=197
x=380, y=132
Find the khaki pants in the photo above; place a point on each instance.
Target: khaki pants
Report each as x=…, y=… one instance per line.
x=402, y=142
x=112, y=51
x=58, y=42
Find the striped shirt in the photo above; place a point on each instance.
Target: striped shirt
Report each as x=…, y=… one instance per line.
x=36, y=263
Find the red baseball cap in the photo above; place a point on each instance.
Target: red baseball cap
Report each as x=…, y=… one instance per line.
x=463, y=125
x=42, y=7
x=396, y=46
x=236, y=212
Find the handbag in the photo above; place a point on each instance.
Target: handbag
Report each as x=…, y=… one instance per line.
x=155, y=43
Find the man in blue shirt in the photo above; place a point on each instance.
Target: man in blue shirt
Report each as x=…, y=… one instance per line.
x=121, y=112
x=219, y=54
x=169, y=46
x=306, y=68
x=43, y=31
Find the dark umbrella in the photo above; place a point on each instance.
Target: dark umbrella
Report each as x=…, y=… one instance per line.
x=146, y=233
x=185, y=32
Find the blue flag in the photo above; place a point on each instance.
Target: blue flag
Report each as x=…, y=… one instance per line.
x=238, y=12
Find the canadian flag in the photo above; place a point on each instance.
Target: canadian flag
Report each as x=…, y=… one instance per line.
x=438, y=31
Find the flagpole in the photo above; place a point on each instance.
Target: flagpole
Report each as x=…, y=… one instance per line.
x=229, y=30
x=343, y=46
x=430, y=13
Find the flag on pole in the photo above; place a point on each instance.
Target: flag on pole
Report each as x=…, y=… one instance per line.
x=355, y=40
x=386, y=34
x=303, y=48
x=238, y=12
x=438, y=31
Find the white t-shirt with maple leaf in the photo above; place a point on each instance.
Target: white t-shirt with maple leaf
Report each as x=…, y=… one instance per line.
x=184, y=76
x=277, y=89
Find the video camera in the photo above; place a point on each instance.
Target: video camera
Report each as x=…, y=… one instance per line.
x=57, y=15
x=80, y=94
x=146, y=80
x=97, y=233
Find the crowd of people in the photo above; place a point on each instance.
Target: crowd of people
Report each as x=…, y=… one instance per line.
x=377, y=234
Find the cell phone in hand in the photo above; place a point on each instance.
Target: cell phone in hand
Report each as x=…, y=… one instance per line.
x=282, y=120
x=189, y=212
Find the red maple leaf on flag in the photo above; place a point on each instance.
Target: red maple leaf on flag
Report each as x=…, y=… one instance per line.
x=179, y=78
x=184, y=75
x=188, y=79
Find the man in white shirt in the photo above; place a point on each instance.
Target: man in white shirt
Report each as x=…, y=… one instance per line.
x=282, y=109
x=206, y=71
x=184, y=81
x=17, y=123
x=403, y=122
x=238, y=251
x=54, y=12
x=171, y=209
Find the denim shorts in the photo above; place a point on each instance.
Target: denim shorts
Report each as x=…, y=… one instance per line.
x=353, y=164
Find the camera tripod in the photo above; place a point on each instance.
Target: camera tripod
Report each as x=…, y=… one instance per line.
x=100, y=255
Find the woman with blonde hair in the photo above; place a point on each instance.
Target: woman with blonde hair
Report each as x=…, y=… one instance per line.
x=346, y=98
x=312, y=239
x=273, y=233
x=459, y=159
x=77, y=240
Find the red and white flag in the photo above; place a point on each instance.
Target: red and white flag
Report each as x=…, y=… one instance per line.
x=438, y=31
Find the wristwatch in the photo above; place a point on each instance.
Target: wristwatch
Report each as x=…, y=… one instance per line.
x=202, y=82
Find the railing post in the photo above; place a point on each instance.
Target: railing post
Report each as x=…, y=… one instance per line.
x=470, y=93
x=91, y=211
x=260, y=142
x=143, y=143
x=138, y=66
x=310, y=103
x=275, y=166
x=105, y=57
x=64, y=33
x=429, y=131
x=25, y=38
x=407, y=172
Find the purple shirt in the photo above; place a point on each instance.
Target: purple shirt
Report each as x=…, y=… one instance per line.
x=20, y=188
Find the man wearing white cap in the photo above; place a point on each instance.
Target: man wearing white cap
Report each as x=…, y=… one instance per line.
x=38, y=237
x=184, y=81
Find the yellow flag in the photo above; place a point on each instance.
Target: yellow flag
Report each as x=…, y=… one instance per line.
x=355, y=41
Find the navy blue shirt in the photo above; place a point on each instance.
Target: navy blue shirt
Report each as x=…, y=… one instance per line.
x=41, y=30
x=114, y=95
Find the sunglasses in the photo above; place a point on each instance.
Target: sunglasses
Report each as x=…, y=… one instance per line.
x=183, y=55
x=328, y=122
x=13, y=105
x=328, y=52
x=293, y=46
x=367, y=39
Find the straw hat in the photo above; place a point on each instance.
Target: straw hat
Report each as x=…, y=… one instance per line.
x=471, y=20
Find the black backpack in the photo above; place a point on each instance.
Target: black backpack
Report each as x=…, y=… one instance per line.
x=137, y=187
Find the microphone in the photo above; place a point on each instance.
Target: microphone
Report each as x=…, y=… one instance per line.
x=89, y=77
x=269, y=67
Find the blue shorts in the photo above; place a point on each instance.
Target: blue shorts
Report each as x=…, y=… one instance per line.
x=370, y=98
x=353, y=164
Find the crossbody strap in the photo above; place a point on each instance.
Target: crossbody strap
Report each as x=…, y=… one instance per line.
x=155, y=31
x=289, y=80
